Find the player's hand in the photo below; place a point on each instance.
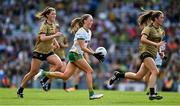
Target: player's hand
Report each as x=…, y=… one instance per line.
x=160, y=43
x=57, y=34
x=165, y=58
x=99, y=56
x=162, y=55
x=56, y=47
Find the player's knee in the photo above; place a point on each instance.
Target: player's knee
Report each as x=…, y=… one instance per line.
x=58, y=66
x=155, y=72
x=32, y=73
x=139, y=78
x=89, y=71
x=145, y=79
x=65, y=78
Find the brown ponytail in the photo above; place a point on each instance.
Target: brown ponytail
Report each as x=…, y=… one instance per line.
x=145, y=18
x=148, y=17
x=46, y=11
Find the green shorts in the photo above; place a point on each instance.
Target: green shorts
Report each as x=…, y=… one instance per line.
x=74, y=56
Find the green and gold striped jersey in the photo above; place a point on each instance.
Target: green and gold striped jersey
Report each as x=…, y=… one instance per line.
x=153, y=34
x=45, y=47
x=61, y=51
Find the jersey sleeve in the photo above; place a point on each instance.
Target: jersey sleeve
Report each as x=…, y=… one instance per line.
x=145, y=31
x=43, y=29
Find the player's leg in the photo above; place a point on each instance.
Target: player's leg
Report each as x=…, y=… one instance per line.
x=150, y=64
x=129, y=75
x=63, y=68
x=56, y=64
x=48, y=84
x=84, y=66
x=146, y=77
x=35, y=64
x=70, y=69
x=146, y=80
x=76, y=78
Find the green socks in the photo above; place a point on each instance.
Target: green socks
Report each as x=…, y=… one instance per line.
x=91, y=92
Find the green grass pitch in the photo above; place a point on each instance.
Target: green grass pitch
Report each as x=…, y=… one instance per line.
x=57, y=97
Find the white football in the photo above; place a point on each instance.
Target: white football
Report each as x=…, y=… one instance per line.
x=102, y=50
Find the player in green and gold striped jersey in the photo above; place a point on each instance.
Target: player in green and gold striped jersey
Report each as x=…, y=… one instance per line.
x=60, y=52
x=43, y=49
x=151, y=39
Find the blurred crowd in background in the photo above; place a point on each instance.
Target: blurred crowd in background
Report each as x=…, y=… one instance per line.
x=115, y=27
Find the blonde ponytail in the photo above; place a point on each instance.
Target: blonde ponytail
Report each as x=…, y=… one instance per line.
x=78, y=22
x=75, y=25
